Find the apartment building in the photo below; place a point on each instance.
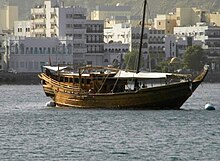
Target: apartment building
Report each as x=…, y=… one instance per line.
x=94, y=42
x=53, y=19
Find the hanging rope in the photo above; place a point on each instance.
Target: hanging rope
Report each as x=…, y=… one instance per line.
x=115, y=83
x=103, y=83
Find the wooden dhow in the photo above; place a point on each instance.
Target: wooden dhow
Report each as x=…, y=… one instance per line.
x=111, y=88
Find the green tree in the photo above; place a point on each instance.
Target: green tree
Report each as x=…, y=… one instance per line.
x=131, y=59
x=194, y=58
x=163, y=66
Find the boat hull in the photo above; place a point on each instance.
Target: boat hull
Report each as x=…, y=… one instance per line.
x=157, y=98
x=48, y=90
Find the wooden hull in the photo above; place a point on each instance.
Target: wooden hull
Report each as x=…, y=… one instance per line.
x=163, y=97
x=48, y=90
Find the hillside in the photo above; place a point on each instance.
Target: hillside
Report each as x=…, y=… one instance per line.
x=156, y=6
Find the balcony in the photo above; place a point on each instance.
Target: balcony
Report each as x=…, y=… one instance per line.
x=53, y=21
x=53, y=30
x=39, y=21
x=37, y=11
x=39, y=30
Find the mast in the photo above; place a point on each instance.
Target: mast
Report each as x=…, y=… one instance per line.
x=141, y=40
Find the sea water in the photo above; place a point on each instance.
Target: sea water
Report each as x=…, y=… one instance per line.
x=31, y=131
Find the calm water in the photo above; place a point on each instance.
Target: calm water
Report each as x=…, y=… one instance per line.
x=31, y=131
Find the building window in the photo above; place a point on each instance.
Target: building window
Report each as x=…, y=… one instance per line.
x=68, y=16
x=32, y=51
x=48, y=50
x=27, y=50
x=53, y=51
x=41, y=51
x=27, y=29
x=19, y=29
x=69, y=25
x=35, y=50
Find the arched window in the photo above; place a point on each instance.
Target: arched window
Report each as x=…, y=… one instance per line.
x=145, y=45
x=41, y=50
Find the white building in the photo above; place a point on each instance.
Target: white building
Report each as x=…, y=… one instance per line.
x=114, y=53
x=22, y=28
x=197, y=31
x=53, y=19
x=153, y=48
x=118, y=33
x=29, y=54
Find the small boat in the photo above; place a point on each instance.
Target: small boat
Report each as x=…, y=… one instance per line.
x=113, y=88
